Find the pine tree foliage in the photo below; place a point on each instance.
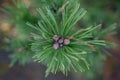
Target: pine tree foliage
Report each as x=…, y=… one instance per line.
x=56, y=41
x=59, y=25
x=19, y=43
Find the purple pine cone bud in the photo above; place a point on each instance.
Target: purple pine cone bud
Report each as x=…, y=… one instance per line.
x=55, y=37
x=56, y=46
x=66, y=41
x=61, y=40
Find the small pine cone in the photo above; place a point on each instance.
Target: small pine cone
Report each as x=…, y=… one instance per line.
x=56, y=45
x=56, y=38
x=61, y=40
x=66, y=41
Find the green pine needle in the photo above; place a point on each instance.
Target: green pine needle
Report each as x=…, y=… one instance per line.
x=71, y=56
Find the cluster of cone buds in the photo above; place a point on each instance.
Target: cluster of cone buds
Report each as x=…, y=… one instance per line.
x=60, y=41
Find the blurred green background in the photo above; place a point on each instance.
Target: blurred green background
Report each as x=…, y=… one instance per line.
x=16, y=65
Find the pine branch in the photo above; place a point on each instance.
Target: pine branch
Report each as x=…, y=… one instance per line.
x=55, y=41
x=58, y=46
